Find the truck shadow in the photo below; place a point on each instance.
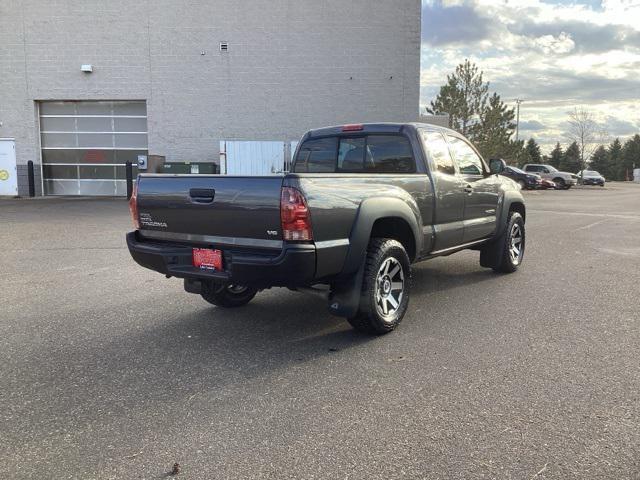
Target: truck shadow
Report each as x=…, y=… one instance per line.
x=442, y=274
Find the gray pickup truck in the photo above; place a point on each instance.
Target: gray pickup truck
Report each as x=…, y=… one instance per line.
x=360, y=205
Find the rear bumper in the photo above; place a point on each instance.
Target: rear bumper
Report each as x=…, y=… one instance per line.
x=294, y=265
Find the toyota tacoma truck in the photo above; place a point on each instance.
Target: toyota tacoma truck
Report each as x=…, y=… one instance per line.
x=361, y=203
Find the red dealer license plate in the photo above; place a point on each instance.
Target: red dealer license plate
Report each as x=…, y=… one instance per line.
x=207, y=258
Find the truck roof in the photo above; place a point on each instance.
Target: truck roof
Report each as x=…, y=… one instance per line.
x=380, y=127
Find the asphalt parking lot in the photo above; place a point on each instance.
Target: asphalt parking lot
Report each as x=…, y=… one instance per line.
x=113, y=371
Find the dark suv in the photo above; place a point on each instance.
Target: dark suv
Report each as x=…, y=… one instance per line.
x=522, y=178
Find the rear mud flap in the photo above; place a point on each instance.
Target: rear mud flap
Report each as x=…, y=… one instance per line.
x=344, y=298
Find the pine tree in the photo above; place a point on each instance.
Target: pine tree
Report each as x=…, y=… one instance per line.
x=615, y=160
x=533, y=149
x=492, y=135
x=600, y=162
x=464, y=97
x=556, y=156
x=631, y=156
x=571, y=159
x=519, y=155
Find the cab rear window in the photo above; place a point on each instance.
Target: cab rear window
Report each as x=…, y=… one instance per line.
x=356, y=154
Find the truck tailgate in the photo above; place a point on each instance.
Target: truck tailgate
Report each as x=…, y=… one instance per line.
x=212, y=209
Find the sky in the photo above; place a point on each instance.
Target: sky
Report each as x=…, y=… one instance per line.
x=555, y=55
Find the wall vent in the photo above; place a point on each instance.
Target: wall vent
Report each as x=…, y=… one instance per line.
x=224, y=46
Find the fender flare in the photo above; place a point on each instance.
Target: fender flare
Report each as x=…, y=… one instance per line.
x=509, y=198
x=370, y=211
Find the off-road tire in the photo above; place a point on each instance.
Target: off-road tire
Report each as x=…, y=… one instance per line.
x=500, y=254
x=370, y=318
x=227, y=296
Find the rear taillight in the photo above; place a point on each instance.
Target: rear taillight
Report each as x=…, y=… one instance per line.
x=294, y=216
x=133, y=206
x=352, y=127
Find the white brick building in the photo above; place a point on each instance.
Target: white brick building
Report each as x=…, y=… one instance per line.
x=162, y=85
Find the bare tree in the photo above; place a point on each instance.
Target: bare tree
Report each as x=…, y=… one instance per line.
x=586, y=132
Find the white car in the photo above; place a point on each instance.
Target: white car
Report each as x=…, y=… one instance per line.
x=563, y=180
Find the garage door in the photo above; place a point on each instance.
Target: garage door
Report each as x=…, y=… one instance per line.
x=85, y=145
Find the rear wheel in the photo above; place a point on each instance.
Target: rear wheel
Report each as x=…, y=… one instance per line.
x=228, y=296
x=523, y=186
x=385, y=288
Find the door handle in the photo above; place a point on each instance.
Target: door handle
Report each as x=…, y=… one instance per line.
x=202, y=195
x=468, y=189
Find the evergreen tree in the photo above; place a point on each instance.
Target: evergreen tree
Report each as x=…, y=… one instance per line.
x=519, y=155
x=464, y=98
x=492, y=135
x=556, y=156
x=631, y=156
x=571, y=159
x=600, y=162
x=615, y=160
x=533, y=149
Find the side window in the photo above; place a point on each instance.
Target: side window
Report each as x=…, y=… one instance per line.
x=317, y=156
x=439, y=151
x=351, y=154
x=533, y=168
x=469, y=163
x=389, y=154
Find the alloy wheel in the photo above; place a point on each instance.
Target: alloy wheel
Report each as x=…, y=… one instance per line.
x=516, y=244
x=390, y=285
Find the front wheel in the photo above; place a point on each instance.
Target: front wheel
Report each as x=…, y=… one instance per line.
x=560, y=183
x=228, y=296
x=385, y=288
x=505, y=254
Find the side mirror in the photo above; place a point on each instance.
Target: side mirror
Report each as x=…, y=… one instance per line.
x=497, y=165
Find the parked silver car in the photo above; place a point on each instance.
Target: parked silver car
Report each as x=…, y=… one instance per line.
x=563, y=180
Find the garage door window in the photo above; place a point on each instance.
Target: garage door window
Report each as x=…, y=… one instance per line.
x=85, y=145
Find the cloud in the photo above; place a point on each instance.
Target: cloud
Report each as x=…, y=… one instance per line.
x=556, y=87
x=586, y=37
x=616, y=127
x=531, y=125
x=554, y=54
x=455, y=24
x=556, y=45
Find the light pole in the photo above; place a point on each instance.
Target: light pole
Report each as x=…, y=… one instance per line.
x=518, y=102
